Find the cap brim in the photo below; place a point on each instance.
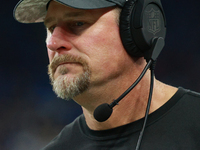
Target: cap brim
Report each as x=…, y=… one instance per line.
x=32, y=11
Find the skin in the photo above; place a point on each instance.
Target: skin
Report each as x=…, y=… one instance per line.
x=94, y=36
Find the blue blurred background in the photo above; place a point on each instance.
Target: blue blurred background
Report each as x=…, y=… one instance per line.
x=31, y=114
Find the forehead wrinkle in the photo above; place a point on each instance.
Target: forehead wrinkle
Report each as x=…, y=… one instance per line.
x=74, y=14
x=68, y=15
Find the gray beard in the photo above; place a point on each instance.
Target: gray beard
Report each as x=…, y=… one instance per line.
x=65, y=87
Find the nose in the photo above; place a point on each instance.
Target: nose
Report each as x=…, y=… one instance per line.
x=58, y=40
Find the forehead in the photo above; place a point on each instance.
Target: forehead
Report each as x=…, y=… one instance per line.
x=57, y=10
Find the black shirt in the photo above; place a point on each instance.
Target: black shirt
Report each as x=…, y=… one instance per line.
x=174, y=126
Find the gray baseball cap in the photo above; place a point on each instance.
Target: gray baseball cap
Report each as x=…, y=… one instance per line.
x=33, y=11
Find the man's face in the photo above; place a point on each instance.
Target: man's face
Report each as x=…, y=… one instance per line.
x=84, y=48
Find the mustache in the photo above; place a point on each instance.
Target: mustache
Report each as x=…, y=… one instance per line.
x=57, y=60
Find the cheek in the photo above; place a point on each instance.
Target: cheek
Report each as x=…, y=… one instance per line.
x=108, y=47
x=106, y=53
x=103, y=41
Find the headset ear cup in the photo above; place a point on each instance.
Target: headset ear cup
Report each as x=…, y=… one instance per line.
x=125, y=29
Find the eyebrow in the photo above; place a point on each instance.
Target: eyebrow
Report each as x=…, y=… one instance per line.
x=67, y=15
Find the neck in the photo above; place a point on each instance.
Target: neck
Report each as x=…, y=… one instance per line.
x=132, y=107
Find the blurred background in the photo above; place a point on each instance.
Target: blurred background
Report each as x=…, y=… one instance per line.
x=31, y=114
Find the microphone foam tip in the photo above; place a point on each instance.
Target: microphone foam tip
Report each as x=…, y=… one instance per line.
x=102, y=112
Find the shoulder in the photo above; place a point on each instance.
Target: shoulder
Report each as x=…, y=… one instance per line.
x=193, y=94
x=189, y=104
x=65, y=135
x=190, y=95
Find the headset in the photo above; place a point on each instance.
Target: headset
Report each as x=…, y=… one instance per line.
x=141, y=22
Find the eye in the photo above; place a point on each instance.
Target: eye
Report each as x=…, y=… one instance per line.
x=79, y=23
x=77, y=27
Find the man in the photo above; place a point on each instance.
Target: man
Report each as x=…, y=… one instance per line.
x=89, y=64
